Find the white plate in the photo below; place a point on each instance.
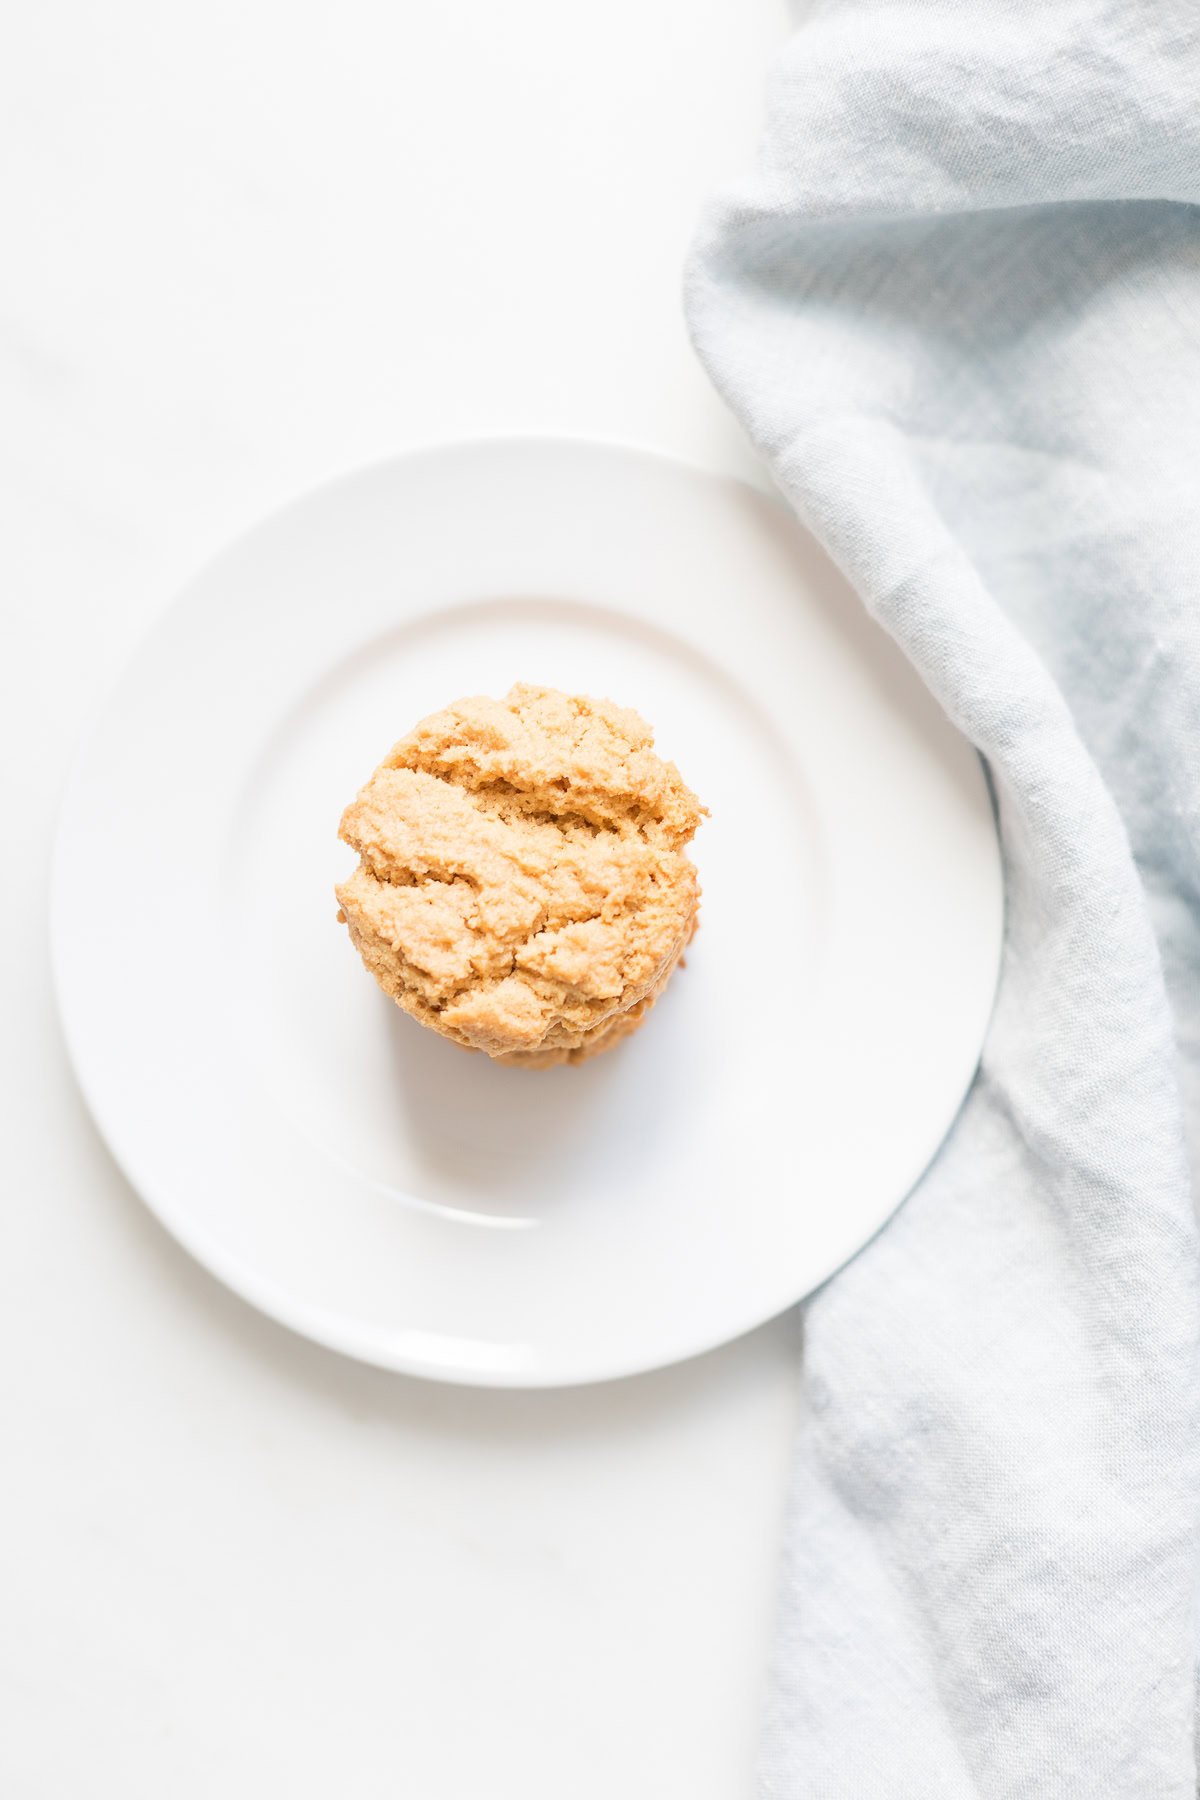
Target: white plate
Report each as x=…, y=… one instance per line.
x=379, y=1189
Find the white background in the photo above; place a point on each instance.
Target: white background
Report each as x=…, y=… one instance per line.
x=244, y=246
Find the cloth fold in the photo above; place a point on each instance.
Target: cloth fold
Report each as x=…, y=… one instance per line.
x=957, y=308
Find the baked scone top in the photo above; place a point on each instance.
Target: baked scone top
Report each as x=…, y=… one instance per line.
x=522, y=876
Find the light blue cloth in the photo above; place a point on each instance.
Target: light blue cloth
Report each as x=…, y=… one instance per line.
x=958, y=310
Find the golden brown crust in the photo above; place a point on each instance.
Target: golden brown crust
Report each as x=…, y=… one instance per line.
x=522, y=883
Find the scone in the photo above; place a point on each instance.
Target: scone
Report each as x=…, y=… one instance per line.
x=523, y=884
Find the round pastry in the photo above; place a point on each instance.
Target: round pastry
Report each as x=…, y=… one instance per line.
x=523, y=884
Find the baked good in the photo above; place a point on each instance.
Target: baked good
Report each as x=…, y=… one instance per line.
x=523, y=883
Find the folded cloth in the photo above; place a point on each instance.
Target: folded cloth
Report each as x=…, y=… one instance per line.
x=957, y=308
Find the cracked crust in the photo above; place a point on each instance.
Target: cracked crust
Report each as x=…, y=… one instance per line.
x=523, y=884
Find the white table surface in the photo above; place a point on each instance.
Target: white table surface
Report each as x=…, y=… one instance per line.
x=245, y=246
